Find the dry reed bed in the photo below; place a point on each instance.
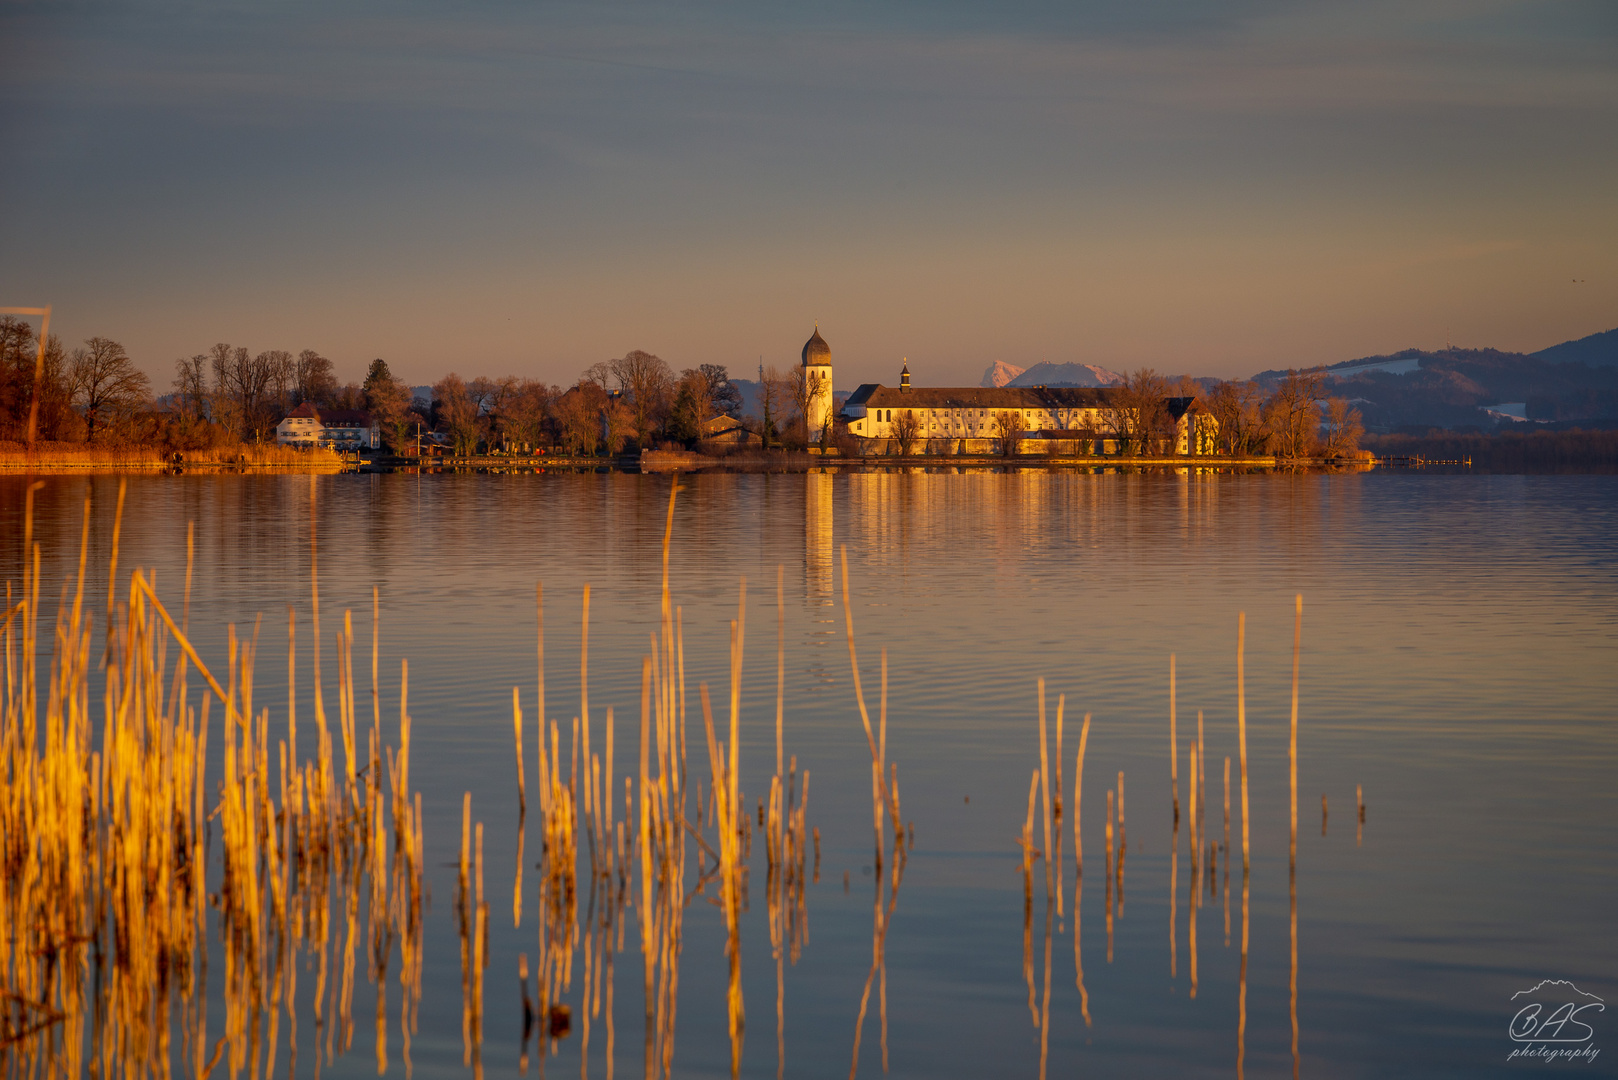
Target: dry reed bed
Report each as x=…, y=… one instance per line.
x=104, y=890
x=76, y=457
x=106, y=857
x=663, y=810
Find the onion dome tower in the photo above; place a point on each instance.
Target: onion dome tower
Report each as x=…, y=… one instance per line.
x=817, y=382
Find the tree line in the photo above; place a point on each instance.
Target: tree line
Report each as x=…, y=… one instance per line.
x=636, y=401
x=1290, y=420
x=231, y=394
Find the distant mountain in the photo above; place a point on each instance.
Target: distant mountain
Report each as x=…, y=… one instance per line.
x=1597, y=350
x=1000, y=373
x=1046, y=373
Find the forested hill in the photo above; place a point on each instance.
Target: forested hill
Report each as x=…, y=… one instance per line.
x=1576, y=382
x=1597, y=350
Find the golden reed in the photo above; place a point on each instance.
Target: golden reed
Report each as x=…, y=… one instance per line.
x=104, y=875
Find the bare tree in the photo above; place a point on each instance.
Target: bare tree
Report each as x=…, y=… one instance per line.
x=1009, y=424
x=390, y=406
x=645, y=381
x=313, y=378
x=1236, y=408
x=1343, y=428
x=191, y=386
x=578, y=416
x=241, y=385
x=523, y=409
x=619, y=420
x=458, y=413
x=906, y=431
x=106, y=384
x=281, y=373
x=726, y=398
x=693, y=406
x=1291, y=417
x=1146, y=395
x=806, y=386
x=773, y=394
x=485, y=394
x=19, y=354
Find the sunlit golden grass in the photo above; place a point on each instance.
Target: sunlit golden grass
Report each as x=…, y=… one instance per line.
x=76, y=456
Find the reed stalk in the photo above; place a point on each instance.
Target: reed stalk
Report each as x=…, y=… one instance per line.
x=103, y=872
x=1174, y=743
x=1292, y=853
x=1045, y=790
x=1241, y=729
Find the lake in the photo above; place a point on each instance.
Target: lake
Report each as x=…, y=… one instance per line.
x=1458, y=665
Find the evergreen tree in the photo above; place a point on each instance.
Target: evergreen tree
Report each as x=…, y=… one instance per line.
x=376, y=379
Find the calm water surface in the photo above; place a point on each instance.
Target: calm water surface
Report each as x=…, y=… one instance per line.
x=1459, y=663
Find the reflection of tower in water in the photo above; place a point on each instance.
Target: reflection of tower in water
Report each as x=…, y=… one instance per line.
x=817, y=537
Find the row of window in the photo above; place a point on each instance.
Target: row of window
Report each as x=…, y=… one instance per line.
x=886, y=415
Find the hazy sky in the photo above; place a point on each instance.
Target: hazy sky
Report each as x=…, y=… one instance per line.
x=1204, y=186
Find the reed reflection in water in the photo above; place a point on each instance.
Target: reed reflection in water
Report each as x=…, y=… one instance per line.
x=1204, y=856
x=653, y=834
x=103, y=845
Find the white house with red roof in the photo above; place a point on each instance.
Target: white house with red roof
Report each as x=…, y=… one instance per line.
x=340, y=429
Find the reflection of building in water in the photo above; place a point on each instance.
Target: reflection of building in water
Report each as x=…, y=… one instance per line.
x=817, y=539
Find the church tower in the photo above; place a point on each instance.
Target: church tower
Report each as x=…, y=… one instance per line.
x=817, y=378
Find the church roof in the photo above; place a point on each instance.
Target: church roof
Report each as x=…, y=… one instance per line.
x=815, y=350
x=877, y=396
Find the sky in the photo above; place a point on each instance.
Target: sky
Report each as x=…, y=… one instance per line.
x=1213, y=187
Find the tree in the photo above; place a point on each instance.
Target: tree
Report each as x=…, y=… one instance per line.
x=241, y=385
x=524, y=408
x=191, y=386
x=619, y=420
x=1236, y=407
x=457, y=413
x=390, y=407
x=645, y=381
x=1141, y=410
x=727, y=400
x=313, y=378
x=485, y=394
x=1009, y=424
x=377, y=375
x=19, y=356
x=906, y=431
x=106, y=384
x=806, y=387
x=1291, y=417
x=693, y=406
x=281, y=371
x=578, y=416
x=773, y=393
x=1343, y=428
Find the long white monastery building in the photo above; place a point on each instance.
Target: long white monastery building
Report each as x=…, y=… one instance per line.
x=963, y=418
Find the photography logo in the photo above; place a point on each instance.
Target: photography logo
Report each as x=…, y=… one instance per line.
x=1553, y=1022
